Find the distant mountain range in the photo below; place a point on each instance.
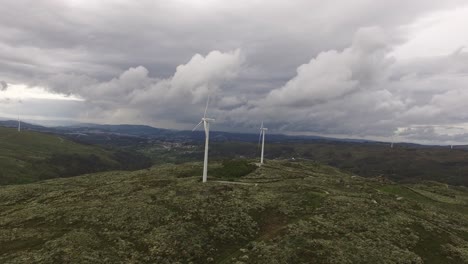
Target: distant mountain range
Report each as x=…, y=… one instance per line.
x=124, y=133
x=26, y=126
x=147, y=132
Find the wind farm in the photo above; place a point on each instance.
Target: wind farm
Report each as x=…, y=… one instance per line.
x=234, y=132
x=251, y=210
x=242, y=212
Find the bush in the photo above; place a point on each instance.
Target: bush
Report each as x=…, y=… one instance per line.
x=234, y=169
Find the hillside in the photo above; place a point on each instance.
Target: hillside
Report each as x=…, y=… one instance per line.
x=407, y=163
x=28, y=156
x=284, y=212
x=404, y=163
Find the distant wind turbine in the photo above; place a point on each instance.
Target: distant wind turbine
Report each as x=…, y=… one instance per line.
x=395, y=133
x=206, y=123
x=19, y=119
x=262, y=137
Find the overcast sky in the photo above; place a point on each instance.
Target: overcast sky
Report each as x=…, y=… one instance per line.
x=360, y=68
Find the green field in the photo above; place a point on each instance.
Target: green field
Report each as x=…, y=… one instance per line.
x=31, y=156
x=283, y=212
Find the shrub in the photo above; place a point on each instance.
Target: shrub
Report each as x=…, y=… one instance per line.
x=234, y=169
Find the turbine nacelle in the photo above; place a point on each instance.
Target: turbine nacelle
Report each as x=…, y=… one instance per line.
x=205, y=119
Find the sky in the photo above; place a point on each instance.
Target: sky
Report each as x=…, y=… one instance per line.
x=369, y=69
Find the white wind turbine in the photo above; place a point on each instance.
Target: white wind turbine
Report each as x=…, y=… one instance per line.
x=395, y=133
x=19, y=119
x=19, y=124
x=206, y=123
x=262, y=137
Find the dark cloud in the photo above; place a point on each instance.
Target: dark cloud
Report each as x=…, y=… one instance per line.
x=102, y=38
x=135, y=96
x=3, y=85
x=302, y=66
x=355, y=92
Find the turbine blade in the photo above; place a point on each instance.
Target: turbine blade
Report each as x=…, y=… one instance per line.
x=197, y=126
x=261, y=125
x=206, y=108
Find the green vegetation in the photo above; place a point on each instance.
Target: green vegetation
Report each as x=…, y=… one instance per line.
x=282, y=212
x=30, y=156
x=404, y=163
x=232, y=169
x=226, y=170
x=408, y=163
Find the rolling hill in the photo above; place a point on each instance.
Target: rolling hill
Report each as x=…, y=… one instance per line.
x=29, y=156
x=283, y=212
x=404, y=163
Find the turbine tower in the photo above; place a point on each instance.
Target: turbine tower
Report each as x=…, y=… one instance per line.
x=262, y=136
x=206, y=123
x=393, y=139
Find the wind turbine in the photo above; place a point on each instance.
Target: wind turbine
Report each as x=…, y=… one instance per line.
x=19, y=124
x=19, y=120
x=206, y=123
x=393, y=138
x=262, y=136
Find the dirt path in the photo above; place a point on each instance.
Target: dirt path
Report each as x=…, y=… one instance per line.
x=239, y=183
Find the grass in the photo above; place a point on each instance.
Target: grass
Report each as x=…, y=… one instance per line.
x=405, y=192
x=27, y=157
x=284, y=212
x=430, y=245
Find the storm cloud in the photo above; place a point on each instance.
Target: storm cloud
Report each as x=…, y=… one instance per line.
x=312, y=67
x=3, y=85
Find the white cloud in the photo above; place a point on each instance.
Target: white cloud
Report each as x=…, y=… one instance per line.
x=333, y=74
x=134, y=96
x=362, y=91
x=24, y=92
x=435, y=34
